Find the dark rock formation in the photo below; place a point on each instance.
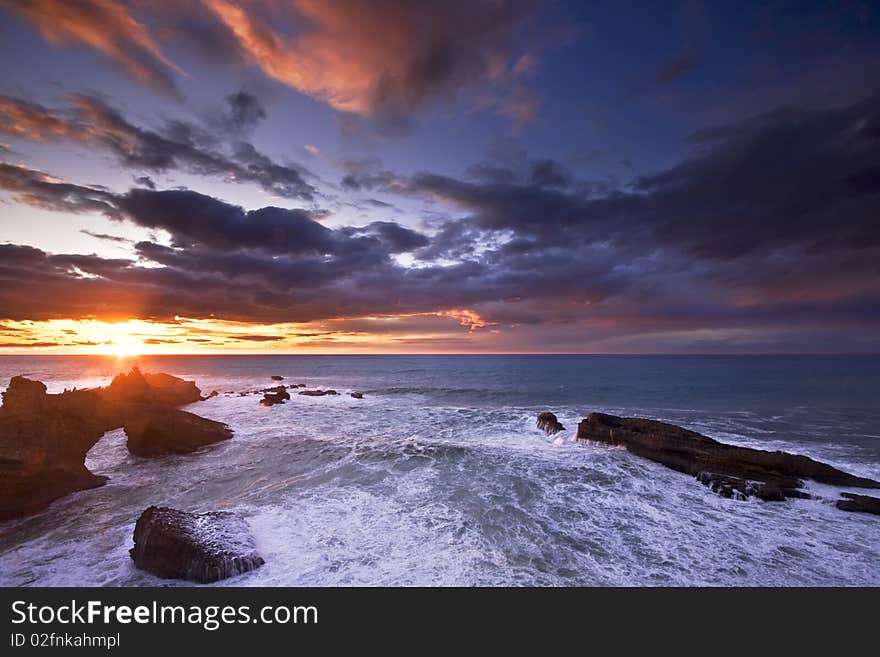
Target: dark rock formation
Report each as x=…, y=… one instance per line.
x=277, y=377
x=729, y=470
x=171, y=432
x=548, y=423
x=43, y=443
x=357, y=395
x=862, y=503
x=296, y=385
x=44, y=438
x=318, y=393
x=272, y=396
x=203, y=547
x=213, y=394
x=159, y=388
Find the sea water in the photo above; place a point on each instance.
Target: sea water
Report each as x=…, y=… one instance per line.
x=438, y=476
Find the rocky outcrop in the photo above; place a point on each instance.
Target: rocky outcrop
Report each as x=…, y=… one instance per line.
x=172, y=431
x=318, y=393
x=548, y=423
x=727, y=469
x=198, y=547
x=155, y=389
x=861, y=503
x=43, y=443
x=277, y=377
x=357, y=395
x=272, y=396
x=44, y=438
x=296, y=385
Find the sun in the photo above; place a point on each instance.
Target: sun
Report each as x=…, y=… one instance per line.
x=125, y=346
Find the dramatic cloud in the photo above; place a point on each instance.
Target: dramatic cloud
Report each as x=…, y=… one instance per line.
x=106, y=26
x=177, y=145
x=387, y=57
x=770, y=225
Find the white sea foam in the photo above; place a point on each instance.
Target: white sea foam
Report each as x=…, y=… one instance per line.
x=437, y=489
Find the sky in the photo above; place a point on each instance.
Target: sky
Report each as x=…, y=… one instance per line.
x=381, y=176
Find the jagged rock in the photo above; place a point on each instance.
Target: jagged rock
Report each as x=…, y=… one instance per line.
x=43, y=443
x=548, y=423
x=213, y=394
x=171, y=431
x=357, y=395
x=729, y=470
x=277, y=377
x=158, y=388
x=272, y=396
x=44, y=438
x=198, y=547
x=862, y=503
x=318, y=393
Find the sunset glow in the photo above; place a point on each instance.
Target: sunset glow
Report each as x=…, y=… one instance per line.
x=305, y=176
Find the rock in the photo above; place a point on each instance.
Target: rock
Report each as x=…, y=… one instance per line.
x=272, y=396
x=198, y=547
x=862, y=503
x=548, y=423
x=44, y=438
x=159, y=388
x=731, y=471
x=277, y=377
x=296, y=385
x=318, y=393
x=357, y=395
x=213, y=394
x=171, y=431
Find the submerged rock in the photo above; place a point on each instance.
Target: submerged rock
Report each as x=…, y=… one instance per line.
x=318, y=393
x=198, y=547
x=272, y=396
x=357, y=395
x=861, y=503
x=548, y=423
x=296, y=385
x=171, y=431
x=731, y=471
x=277, y=377
x=44, y=438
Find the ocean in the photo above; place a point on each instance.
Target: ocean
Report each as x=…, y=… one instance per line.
x=440, y=477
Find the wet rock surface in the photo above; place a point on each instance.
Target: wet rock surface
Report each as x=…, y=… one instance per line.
x=44, y=438
x=859, y=503
x=171, y=432
x=731, y=471
x=272, y=396
x=197, y=547
x=548, y=423
x=318, y=393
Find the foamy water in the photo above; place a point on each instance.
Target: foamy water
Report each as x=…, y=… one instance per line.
x=439, y=476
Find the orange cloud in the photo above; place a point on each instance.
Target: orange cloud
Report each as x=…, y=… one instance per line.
x=104, y=25
x=365, y=56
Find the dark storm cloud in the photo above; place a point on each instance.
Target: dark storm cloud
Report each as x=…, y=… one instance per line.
x=240, y=115
x=41, y=190
x=177, y=145
x=787, y=178
x=769, y=224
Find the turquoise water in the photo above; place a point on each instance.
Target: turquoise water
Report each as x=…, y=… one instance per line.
x=438, y=476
